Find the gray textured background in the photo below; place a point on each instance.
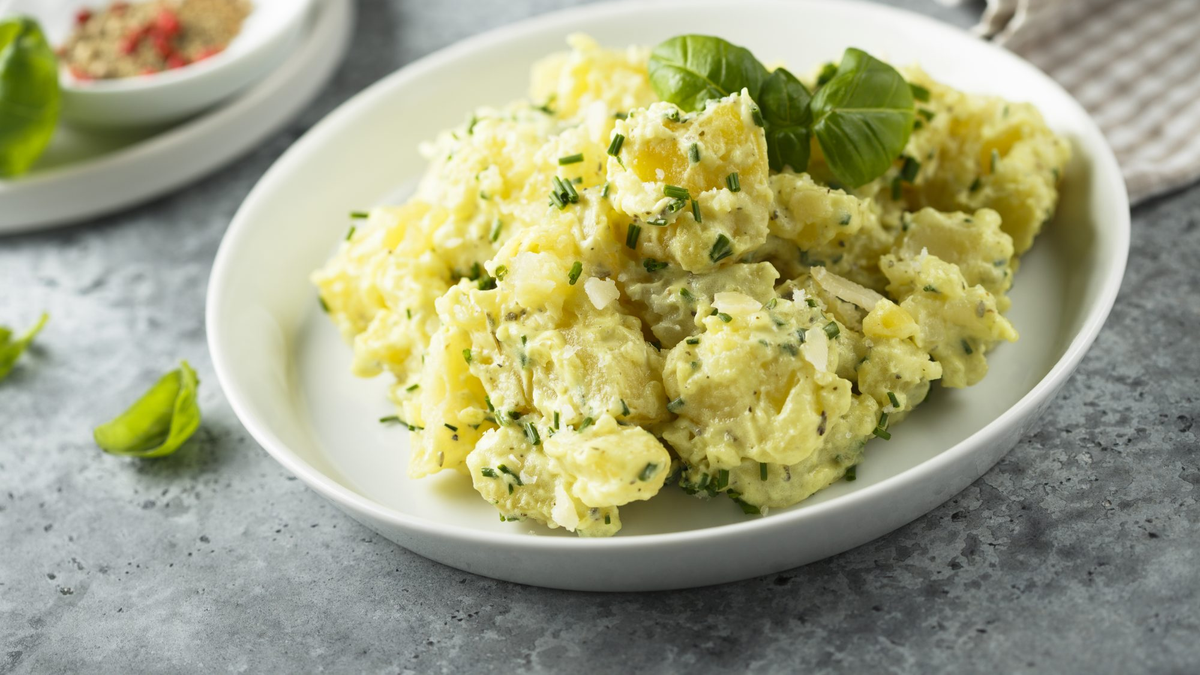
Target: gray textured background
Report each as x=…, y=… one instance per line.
x=1079, y=552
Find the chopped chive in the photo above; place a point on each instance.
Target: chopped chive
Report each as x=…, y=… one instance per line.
x=897, y=192
x=614, y=148
x=657, y=222
x=930, y=288
x=845, y=219
x=895, y=401
x=832, y=330
x=570, y=159
x=675, y=405
x=501, y=272
x=884, y=434
x=693, y=341
x=790, y=348
x=414, y=387
x=747, y=508
x=557, y=200
x=686, y=294
x=672, y=116
x=653, y=265
x=676, y=192
x=576, y=270
x=732, y=181
x=510, y=472
x=488, y=472
x=724, y=317
x=497, y=225
x=995, y=159
x=324, y=305
x=648, y=472
x=514, y=415
x=577, y=180
x=408, y=313
x=762, y=471
x=802, y=335
x=926, y=113
x=350, y=232
x=587, y=422
x=467, y=355
x=883, y=420
x=451, y=427
x=908, y=172
x=694, y=153
x=967, y=347
x=631, y=235
x=721, y=249
x=811, y=302
x=487, y=283
x=359, y=215
x=852, y=474
x=391, y=419
x=621, y=116
x=604, y=190
x=722, y=479
x=918, y=92
x=696, y=211
x=569, y=188
x=756, y=115
x=555, y=419
x=975, y=185
x=531, y=433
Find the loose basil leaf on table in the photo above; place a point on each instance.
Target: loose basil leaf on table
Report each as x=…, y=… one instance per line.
x=689, y=70
x=862, y=118
x=11, y=350
x=788, y=117
x=159, y=422
x=29, y=94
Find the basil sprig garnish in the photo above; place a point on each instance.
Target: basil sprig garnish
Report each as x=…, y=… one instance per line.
x=158, y=422
x=11, y=350
x=861, y=116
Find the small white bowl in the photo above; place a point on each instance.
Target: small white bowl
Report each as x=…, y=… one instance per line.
x=269, y=33
x=285, y=370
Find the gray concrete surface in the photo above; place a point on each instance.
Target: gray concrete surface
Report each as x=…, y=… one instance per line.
x=1080, y=552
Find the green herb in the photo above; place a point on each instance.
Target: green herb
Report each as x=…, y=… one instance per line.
x=790, y=348
x=467, y=355
x=614, y=148
x=722, y=479
x=811, y=302
x=570, y=159
x=672, y=116
x=787, y=109
x=975, y=185
x=576, y=270
x=676, y=192
x=11, y=350
x=391, y=419
x=895, y=401
x=747, y=508
x=648, y=472
x=732, y=182
x=897, y=191
x=686, y=294
x=930, y=289
x=762, y=471
x=908, y=172
x=631, y=235
x=653, y=265
x=689, y=70
x=756, y=115
x=862, y=118
x=721, y=249
x=158, y=422
x=501, y=272
x=828, y=71
x=607, y=519
x=487, y=283
x=507, y=471
x=350, y=232
x=29, y=94
x=359, y=215
x=724, y=317
x=489, y=472
x=918, y=92
x=659, y=222
x=555, y=419
x=926, y=113
x=587, y=422
x=531, y=434
x=324, y=305
x=604, y=190
x=967, y=347
x=694, y=153
x=852, y=474
x=995, y=159
x=831, y=330
x=451, y=427
x=845, y=219
x=497, y=225
x=557, y=200
x=675, y=405
x=881, y=427
x=413, y=387
x=696, y=211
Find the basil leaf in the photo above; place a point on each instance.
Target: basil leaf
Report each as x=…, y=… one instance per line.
x=29, y=94
x=159, y=422
x=11, y=350
x=863, y=117
x=785, y=108
x=689, y=70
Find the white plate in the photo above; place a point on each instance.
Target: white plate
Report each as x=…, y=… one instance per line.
x=85, y=174
x=285, y=371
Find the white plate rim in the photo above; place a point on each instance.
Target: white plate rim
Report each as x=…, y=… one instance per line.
x=354, y=503
x=313, y=61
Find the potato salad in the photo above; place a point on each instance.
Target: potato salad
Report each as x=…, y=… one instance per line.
x=674, y=268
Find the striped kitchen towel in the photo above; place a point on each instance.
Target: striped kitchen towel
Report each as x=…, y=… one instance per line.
x=1135, y=66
